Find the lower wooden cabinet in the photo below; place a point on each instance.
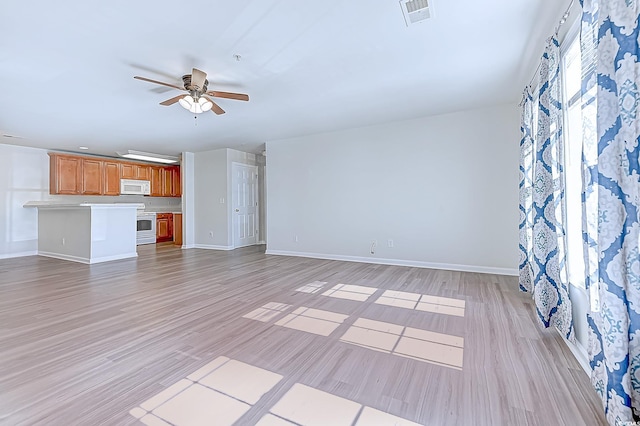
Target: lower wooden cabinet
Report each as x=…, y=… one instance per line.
x=164, y=227
x=177, y=229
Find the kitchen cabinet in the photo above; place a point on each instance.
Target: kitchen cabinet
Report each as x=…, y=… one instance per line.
x=164, y=227
x=65, y=174
x=92, y=176
x=156, y=178
x=134, y=171
x=177, y=229
x=176, y=188
x=85, y=175
x=111, y=179
x=72, y=175
x=167, y=182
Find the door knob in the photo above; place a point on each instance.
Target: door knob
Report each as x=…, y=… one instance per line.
x=237, y=210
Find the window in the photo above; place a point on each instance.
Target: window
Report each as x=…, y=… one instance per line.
x=572, y=78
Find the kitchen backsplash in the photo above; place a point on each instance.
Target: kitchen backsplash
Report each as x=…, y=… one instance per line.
x=157, y=204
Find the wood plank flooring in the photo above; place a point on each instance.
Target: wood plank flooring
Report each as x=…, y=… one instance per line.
x=84, y=344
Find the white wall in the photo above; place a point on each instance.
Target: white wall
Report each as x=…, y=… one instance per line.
x=212, y=183
x=24, y=176
x=187, y=170
x=443, y=188
x=211, y=199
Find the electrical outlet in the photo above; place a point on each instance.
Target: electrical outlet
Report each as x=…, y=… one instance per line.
x=210, y=234
x=390, y=243
x=295, y=239
x=374, y=243
x=64, y=242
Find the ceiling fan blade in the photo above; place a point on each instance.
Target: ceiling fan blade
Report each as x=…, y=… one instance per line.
x=172, y=100
x=158, y=82
x=228, y=95
x=198, y=78
x=215, y=108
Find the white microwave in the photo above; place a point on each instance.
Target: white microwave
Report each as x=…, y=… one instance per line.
x=135, y=187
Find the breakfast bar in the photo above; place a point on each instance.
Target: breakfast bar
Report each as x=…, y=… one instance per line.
x=86, y=232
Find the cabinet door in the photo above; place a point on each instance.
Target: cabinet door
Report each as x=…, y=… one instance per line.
x=111, y=178
x=91, y=176
x=167, y=182
x=142, y=171
x=65, y=175
x=128, y=171
x=176, y=187
x=156, y=181
x=177, y=229
x=164, y=227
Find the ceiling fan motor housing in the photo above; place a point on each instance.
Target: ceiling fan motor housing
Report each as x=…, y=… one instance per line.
x=186, y=79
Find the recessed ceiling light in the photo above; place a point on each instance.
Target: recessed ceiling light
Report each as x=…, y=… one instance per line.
x=83, y=147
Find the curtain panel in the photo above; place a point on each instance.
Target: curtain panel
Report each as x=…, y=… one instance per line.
x=525, y=278
x=611, y=202
x=542, y=237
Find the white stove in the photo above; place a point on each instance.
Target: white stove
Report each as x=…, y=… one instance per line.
x=146, y=228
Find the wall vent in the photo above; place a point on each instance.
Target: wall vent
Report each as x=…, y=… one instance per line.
x=416, y=10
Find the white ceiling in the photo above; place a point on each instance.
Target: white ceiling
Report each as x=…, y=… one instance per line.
x=67, y=67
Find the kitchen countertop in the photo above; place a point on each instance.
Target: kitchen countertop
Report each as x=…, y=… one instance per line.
x=53, y=205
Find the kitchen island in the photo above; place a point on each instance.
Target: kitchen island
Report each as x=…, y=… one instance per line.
x=86, y=232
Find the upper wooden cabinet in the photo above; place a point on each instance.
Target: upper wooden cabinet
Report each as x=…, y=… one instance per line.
x=176, y=188
x=170, y=181
x=65, y=174
x=156, y=178
x=134, y=171
x=92, y=176
x=111, y=178
x=78, y=175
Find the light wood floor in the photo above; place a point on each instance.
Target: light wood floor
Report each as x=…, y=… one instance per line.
x=85, y=344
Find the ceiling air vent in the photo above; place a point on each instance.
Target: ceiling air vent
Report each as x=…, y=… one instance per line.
x=415, y=10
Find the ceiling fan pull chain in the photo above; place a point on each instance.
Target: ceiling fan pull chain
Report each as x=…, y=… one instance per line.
x=195, y=117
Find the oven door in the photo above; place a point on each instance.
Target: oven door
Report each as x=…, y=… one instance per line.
x=146, y=228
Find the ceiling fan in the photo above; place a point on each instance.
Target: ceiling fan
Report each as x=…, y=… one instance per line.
x=197, y=100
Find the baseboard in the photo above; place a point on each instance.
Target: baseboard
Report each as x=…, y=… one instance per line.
x=212, y=247
x=86, y=260
x=579, y=353
x=20, y=254
x=261, y=242
x=188, y=246
x=111, y=258
x=399, y=262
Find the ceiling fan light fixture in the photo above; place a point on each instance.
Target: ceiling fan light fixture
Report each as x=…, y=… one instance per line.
x=187, y=102
x=205, y=104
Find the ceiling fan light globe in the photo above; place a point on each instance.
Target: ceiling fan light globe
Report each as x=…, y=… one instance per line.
x=186, y=102
x=198, y=108
x=206, y=106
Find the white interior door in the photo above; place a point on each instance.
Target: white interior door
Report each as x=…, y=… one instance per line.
x=244, y=184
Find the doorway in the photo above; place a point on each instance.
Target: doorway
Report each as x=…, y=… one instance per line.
x=244, y=199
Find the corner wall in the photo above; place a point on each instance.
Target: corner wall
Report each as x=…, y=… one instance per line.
x=438, y=191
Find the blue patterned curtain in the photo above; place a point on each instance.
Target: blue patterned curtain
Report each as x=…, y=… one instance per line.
x=546, y=255
x=612, y=178
x=526, y=198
